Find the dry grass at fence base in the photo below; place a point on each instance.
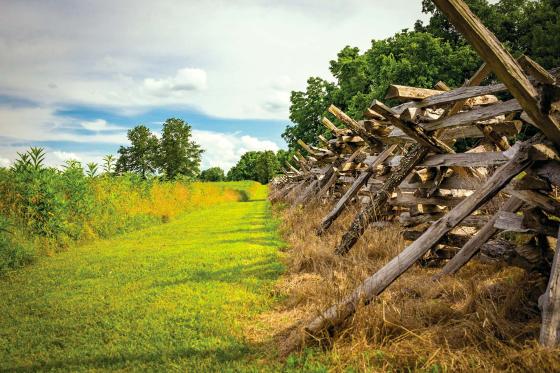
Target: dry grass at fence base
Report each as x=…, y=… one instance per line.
x=484, y=318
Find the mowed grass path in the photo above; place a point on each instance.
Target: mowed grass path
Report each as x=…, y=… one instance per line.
x=172, y=297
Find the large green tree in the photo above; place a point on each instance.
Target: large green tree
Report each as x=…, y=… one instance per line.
x=434, y=51
x=529, y=27
x=267, y=166
x=178, y=154
x=140, y=156
x=408, y=58
x=245, y=167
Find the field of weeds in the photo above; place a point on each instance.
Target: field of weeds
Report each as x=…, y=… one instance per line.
x=45, y=210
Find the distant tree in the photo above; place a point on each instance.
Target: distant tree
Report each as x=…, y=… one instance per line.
x=284, y=157
x=212, y=174
x=140, y=156
x=259, y=166
x=178, y=154
x=267, y=166
x=245, y=167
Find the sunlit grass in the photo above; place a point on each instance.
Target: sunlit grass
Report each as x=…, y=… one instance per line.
x=175, y=296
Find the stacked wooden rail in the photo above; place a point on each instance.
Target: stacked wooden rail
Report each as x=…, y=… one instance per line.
x=400, y=164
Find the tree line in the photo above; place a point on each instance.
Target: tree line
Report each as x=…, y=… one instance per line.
x=259, y=166
x=420, y=57
x=175, y=155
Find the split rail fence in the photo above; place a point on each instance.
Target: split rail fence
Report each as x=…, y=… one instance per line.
x=399, y=164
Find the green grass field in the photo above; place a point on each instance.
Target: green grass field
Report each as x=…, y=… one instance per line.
x=173, y=297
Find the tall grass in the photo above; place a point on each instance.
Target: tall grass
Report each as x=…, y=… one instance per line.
x=44, y=210
x=484, y=318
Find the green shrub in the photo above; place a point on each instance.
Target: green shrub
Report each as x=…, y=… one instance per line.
x=13, y=254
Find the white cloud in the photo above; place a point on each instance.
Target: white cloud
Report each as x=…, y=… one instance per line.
x=283, y=82
x=5, y=162
x=227, y=59
x=41, y=124
x=224, y=150
x=186, y=79
x=150, y=54
x=99, y=125
x=278, y=101
x=65, y=156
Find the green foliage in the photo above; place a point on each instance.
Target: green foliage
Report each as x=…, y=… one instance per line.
x=92, y=169
x=178, y=154
x=108, y=164
x=35, y=195
x=212, y=174
x=245, y=167
x=267, y=166
x=306, y=111
x=435, y=51
x=259, y=166
x=439, y=26
x=408, y=58
x=14, y=253
x=140, y=156
x=524, y=26
x=284, y=157
x=51, y=208
x=174, y=156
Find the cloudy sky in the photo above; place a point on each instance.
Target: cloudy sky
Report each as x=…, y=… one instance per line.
x=75, y=75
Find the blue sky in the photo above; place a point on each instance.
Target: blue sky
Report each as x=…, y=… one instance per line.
x=76, y=75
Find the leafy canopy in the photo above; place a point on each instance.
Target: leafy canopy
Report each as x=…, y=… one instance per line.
x=140, y=156
x=174, y=155
x=178, y=153
x=524, y=26
x=408, y=58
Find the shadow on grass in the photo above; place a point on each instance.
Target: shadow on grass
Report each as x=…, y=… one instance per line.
x=265, y=270
x=244, y=196
x=126, y=359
